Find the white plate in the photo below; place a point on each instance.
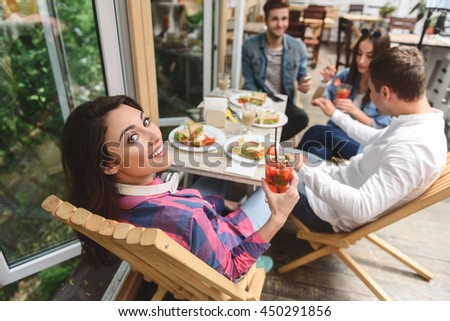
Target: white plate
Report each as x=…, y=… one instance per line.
x=282, y=122
x=247, y=138
x=207, y=130
x=235, y=103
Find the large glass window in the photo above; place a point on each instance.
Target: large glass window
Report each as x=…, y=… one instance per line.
x=49, y=63
x=178, y=30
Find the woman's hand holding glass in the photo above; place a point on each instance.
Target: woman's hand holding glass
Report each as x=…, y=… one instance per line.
x=281, y=205
x=347, y=106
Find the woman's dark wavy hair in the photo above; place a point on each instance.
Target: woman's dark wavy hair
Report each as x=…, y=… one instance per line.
x=83, y=154
x=381, y=41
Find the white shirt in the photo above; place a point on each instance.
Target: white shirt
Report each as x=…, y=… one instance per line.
x=398, y=164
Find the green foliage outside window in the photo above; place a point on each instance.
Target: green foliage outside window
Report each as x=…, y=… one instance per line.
x=31, y=120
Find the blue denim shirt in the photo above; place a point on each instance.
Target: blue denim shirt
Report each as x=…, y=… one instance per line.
x=378, y=121
x=254, y=63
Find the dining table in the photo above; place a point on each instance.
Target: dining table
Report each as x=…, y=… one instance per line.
x=214, y=161
x=412, y=39
x=362, y=18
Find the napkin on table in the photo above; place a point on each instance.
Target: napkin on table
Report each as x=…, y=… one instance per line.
x=215, y=111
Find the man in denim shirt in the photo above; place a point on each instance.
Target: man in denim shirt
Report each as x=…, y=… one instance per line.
x=273, y=60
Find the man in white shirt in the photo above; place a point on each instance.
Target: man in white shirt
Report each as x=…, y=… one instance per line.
x=399, y=162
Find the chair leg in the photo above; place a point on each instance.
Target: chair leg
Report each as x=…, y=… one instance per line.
x=256, y=285
x=159, y=294
x=306, y=259
x=366, y=278
x=304, y=228
x=423, y=272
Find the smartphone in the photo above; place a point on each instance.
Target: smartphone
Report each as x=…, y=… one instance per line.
x=196, y=114
x=275, y=98
x=305, y=78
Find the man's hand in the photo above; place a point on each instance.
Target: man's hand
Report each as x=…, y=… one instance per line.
x=305, y=84
x=325, y=104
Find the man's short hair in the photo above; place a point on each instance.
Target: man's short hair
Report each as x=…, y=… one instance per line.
x=402, y=69
x=274, y=4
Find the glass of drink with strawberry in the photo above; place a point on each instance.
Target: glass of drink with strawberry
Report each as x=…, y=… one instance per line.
x=342, y=90
x=278, y=170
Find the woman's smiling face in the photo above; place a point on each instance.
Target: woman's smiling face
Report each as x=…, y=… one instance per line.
x=135, y=147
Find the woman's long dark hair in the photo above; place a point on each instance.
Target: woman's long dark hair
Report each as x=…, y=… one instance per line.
x=83, y=153
x=381, y=41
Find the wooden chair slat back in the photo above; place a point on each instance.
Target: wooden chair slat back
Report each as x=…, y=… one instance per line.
x=153, y=253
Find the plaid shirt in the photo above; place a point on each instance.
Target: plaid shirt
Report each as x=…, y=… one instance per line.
x=228, y=244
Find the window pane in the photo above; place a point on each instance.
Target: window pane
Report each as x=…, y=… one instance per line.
x=49, y=63
x=178, y=30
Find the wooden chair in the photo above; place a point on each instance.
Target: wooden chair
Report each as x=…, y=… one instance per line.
x=294, y=16
x=344, y=41
x=407, y=24
x=327, y=243
x=316, y=7
x=297, y=30
x=159, y=259
x=315, y=40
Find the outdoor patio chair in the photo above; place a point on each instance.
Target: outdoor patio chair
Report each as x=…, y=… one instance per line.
x=324, y=244
x=297, y=30
x=156, y=256
x=315, y=40
x=294, y=15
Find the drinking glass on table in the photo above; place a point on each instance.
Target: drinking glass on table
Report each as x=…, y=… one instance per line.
x=223, y=83
x=278, y=170
x=248, y=117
